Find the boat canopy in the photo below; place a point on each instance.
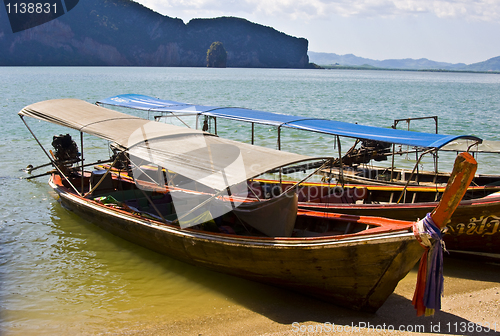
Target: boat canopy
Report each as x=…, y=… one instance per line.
x=326, y=126
x=487, y=146
x=203, y=157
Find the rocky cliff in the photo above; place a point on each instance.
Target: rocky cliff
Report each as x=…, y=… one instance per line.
x=122, y=32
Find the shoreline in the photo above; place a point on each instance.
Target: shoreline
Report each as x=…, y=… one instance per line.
x=347, y=67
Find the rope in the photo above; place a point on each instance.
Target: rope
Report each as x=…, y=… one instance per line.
x=430, y=280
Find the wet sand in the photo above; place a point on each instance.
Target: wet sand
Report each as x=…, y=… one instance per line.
x=470, y=304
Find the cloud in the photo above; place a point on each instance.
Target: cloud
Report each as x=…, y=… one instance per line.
x=471, y=10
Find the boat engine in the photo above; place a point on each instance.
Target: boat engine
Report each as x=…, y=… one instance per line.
x=122, y=159
x=66, y=151
x=369, y=150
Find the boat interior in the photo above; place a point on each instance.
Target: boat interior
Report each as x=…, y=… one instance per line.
x=117, y=190
x=366, y=194
x=363, y=174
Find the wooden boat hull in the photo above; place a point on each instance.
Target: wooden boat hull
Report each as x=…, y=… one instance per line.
x=474, y=226
x=355, y=271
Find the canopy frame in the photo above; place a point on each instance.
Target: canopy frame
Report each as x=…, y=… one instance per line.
x=430, y=143
x=344, y=129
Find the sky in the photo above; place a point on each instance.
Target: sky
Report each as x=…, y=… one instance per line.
x=453, y=31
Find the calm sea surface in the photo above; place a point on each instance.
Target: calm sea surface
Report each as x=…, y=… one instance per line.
x=60, y=275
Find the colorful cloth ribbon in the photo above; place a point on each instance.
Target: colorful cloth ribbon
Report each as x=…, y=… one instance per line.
x=430, y=280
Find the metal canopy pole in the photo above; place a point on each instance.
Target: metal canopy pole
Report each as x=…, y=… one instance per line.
x=48, y=156
x=81, y=146
x=281, y=177
x=418, y=160
x=393, y=155
x=436, y=158
x=253, y=127
x=158, y=118
x=279, y=137
x=396, y=121
x=182, y=121
x=341, y=170
x=279, y=148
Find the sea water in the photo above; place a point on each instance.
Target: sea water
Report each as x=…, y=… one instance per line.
x=62, y=275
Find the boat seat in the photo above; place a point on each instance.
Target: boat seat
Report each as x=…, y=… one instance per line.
x=105, y=186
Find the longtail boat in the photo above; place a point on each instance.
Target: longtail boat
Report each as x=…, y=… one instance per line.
x=352, y=261
x=387, y=192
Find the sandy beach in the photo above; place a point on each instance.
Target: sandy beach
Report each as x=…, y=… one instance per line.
x=470, y=306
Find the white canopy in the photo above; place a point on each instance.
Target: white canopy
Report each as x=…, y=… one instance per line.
x=201, y=156
x=487, y=146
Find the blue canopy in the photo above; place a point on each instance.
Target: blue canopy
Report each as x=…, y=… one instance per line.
x=326, y=126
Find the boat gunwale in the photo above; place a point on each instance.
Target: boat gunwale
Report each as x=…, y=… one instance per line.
x=483, y=201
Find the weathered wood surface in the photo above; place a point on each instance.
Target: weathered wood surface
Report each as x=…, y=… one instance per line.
x=463, y=172
x=475, y=225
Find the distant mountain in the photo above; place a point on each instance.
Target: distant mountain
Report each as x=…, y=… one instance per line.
x=332, y=59
x=492, y=64
x=123, y=32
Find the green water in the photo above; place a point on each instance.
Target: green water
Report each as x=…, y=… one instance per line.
x=61, y=275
